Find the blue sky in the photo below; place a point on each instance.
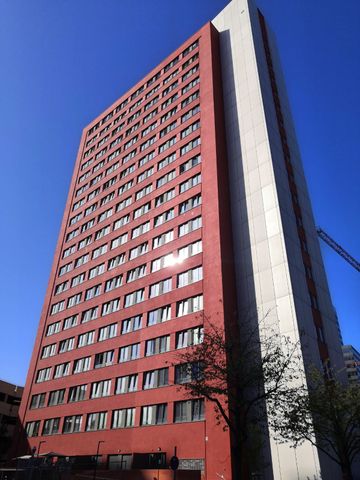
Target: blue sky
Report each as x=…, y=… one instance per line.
x=63, y=62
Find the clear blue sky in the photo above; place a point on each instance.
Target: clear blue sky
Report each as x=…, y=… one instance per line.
x=63, y=62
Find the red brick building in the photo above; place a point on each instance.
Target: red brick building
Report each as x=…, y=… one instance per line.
x=197, y=157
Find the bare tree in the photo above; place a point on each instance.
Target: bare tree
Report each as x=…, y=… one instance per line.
x=244, y=378
x=327, y=414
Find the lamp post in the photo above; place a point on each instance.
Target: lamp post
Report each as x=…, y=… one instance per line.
x=158, y=462
x=41, y=441
x=96, y=460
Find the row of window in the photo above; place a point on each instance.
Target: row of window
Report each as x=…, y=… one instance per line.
x=183, y=373
x=126, y=145
x=184, y=411
x=127, y=201
x=115, y=282
x=141, y=89
x=131, y=142
x=167, y=260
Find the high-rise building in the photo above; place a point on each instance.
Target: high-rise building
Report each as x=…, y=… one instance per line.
x=352, y=363
x=10, y=397
x=188, y=202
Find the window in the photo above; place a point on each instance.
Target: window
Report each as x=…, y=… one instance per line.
x=163, y=239
x=165, y=197
x=117, y=242
x=164, y=217
x=130, y=352
x=167, y=160
x=187, y=338
x=160, y=288
x=53, y=328
x=32, y=428
x=190, y=113
x=95, y=271
x=84, y=242
x=90, y=209
x=157, y=345
x=70, y=322
x=123, y=418
x=99, y=251
x=191, y=182
x=150, y=115
x=107, y=198
x=190, y=226
x=189, y=305
x=190, y=72
x=169, y=101
x=126, y=384
x=104, y=359
x=78, y=280
x=100, y=389
x=136, y=273
x=86, y=338
x=168, y=115
x=190, y=203
x=57, y=307
x=138, y=212
x=74, y=300
x=77, y=393
x=126, y=186
x=93, y=194
x=66, y=345
x=163, y=262
x=190, y=85
x=159, y=315
x=121, y=222
x=190, y=99
x=134, y=298
x=72, y=424
x=148, y=142
x=110, y=307
x=51, y=426
x=62, y=370
x=82, y=365
x=168, y=128
x=154, y=414
x=69, y=251
x=170, y=88
x=88, y=225
x=165, y=178
x=107, y=332
x=190, y=276
x=93, y=292
x=189, y=49
x=61, y=287
x=189, y=410
x=102, y=233
x=146, y=174
x=140, y=230
x=144, y=191
x=184, y=167
x=96, y=421
x=156, y=378
x=131, y=324
x=72, y=234
x=149, y=156
x=113, y=283
x=169, y=143
x=89, y=315
x=123, y=204
x=43, y=375
x=48, y=351
x=116, y=261
x=139, y=250
x=37, y=401
x=190, y=250
x=81, y=260
x=56, y=397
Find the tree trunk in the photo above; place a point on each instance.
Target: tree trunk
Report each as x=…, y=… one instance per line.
x=346, y=471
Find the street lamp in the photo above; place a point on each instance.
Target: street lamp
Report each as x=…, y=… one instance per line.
x=42, y=441
x=96, y=460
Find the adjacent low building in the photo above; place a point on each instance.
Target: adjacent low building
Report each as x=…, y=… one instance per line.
x=352, y=363
x=10, y=398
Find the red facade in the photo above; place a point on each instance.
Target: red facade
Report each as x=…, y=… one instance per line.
x=148, y=202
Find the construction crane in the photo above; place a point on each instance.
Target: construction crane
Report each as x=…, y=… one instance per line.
x=338, y=249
